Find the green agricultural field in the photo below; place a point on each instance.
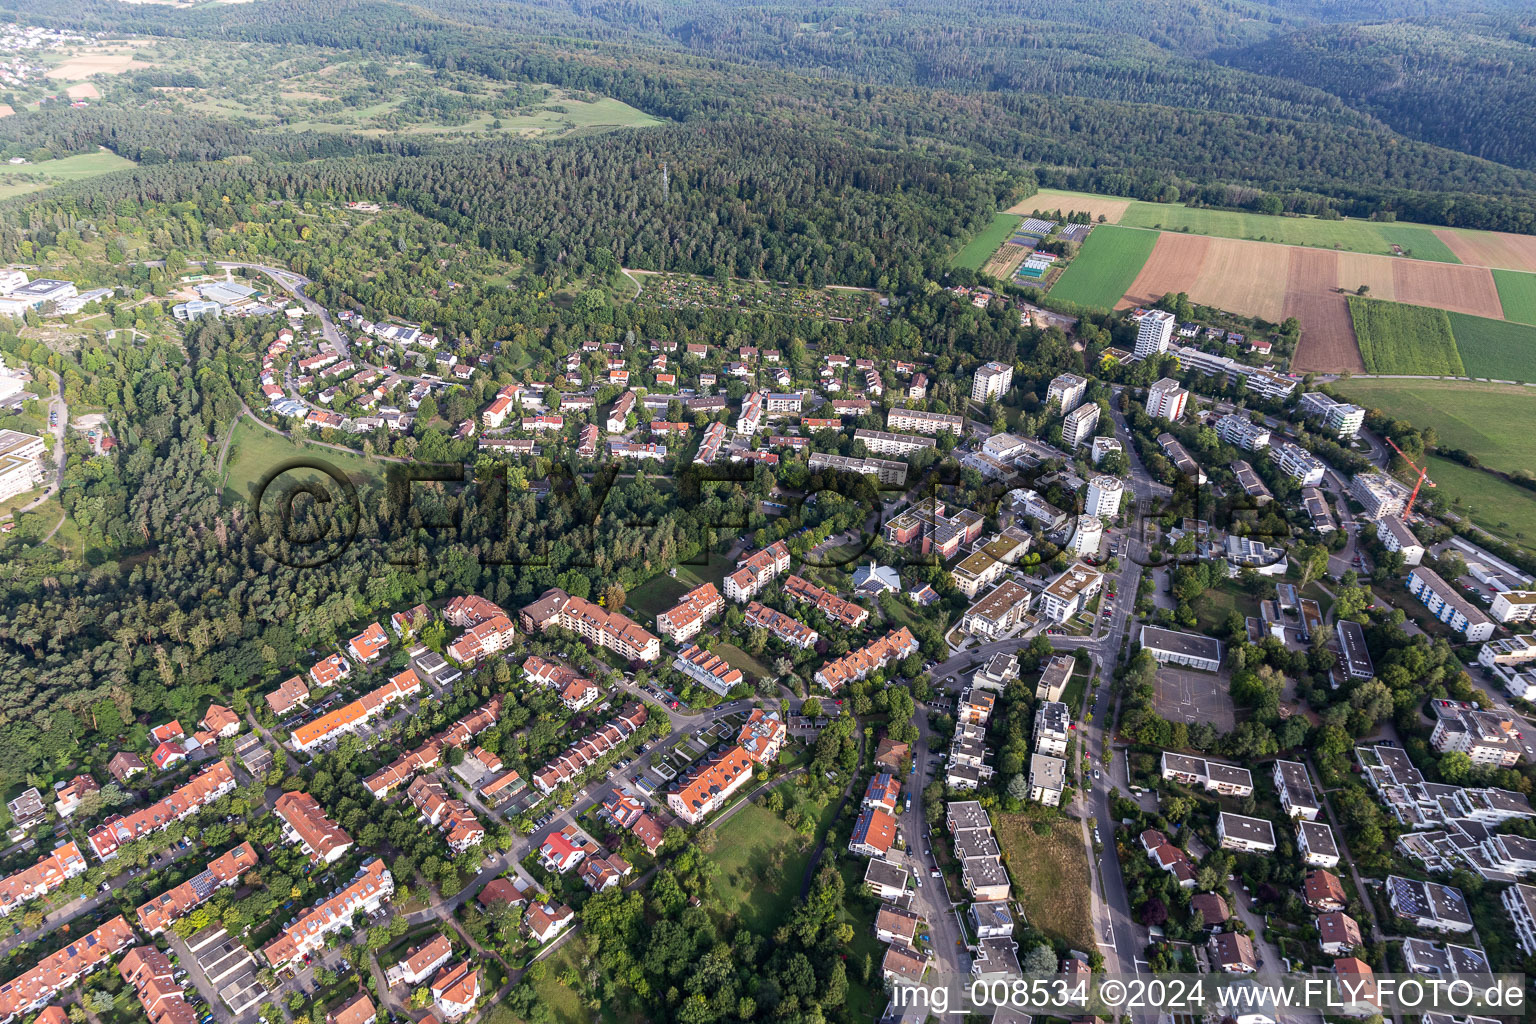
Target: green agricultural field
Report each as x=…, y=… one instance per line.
x=1352, y=235
x=980, y=249
x=1489, y=420
x=1105, y=267
x=19, y=179
x=1517, y=294
x=1495, y=348
x=1503, y=509
x=1398, y=338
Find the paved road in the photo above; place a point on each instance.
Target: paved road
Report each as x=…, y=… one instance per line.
x=61, y=412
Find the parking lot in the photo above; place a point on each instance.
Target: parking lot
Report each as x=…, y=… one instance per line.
x=1185, y=695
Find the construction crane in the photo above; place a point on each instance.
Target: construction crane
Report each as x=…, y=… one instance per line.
x=1423, y=479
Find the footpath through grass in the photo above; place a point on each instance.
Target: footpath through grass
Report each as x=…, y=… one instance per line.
x=1397, y=338
x=1492, y=421
x=980, y=249
x=1495, y=348
x=1105, y=266
x=1353, y=235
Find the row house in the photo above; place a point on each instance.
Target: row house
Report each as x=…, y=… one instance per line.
x=355, y=715
x=161, y=912
x=756, y=571
x=36, y=987
x=420, y=963
x=429, y=754
x=584, y=754
x=41, y=878
x=706, y=786
x=837, y=609
x=856, y=665
x=790, y=630
x=202, y=789
x=708, y=669
x=687, y=617
x=152, y=976
x=369, y=890
x=709, y=448
x=430, y=797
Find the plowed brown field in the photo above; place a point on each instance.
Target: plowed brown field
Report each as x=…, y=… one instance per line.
x=1445, y=286
x=1109, y=208
x=1375, y=272
x=1327, y=337
x=1491, y=248
x=1244, y=277
x=1173, y=267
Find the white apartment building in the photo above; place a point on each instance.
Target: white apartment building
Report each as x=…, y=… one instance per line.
x=1053, y=728
x=1166, y=400
x=1067, y=390
x=1520, y=903
x=1297, y=463
x=991, y=381
x=1154, y=332
x=881, y=442
x=1079, y=424
x=1104, y=495
x=1103, y=445
x=1243, y=432
x=1448, y=606
x=1070, y=592
x=1341, y=418
x=1087, y=536
x=1395, y=536
x=1514, y=606
x=1381, y=495
x=21, y=462
x=1252, y=835
x=1485, y=737
x=924, y=422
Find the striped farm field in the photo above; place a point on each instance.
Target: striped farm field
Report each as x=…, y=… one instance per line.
x=1517, y=294
x=1496, y=349
x=1416, y=241
x=1398, y=338
x=1049, y=200
x=1105, y=267
x=980, y=249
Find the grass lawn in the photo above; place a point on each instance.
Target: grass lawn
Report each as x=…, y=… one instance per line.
x=740, y=659
x=1517, y=294
x=1105, y=266
x=19, y=179
x=1488, y=420
x=655, y=596
x=1352, y=235
x=1499, y=507
x=564, y=1003
x=1495, y=348
x=1214, y=606
x=255, y=451
x=1050, y=876
x=761, y=861
x=1398, y=338
x=980, y=249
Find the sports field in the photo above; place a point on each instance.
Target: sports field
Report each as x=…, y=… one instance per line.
x=1397, y=338
x=1495, y=348
x=1489, y=420
x=980, y=249
x=1517, y=294
x=1105, y=267
x=1354, y=235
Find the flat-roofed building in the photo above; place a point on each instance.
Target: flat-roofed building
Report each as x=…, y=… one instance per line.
x=1382, y=495
x=1069, y=593
x=1340, y=418
x=1428, y=905
x=1166, y=400
x=884, y=470
x=1239, y=832
x=1047, y=779
x=1485, y=737
x=1170, y=647
x=1514, y=606
x=1520, y=903
x=1054, y=679
x=21, y=462
x=1103, y=497
x=1067, y=390
x=1297, y=463
x=1053, y=728
x=1214, y=776
x=1243, y=432
x=886, y=880
x=1356, y=658
x=882, y=442
x=1153, y=332
x=1316, y=843
x=992, y=380
x=999, y=613
x=919, y=421
x=1294, y=784
x=1077, y=426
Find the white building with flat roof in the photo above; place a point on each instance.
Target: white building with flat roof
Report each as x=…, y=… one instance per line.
x=1104, y=496
x=1297, y=463
x=21, y=462
x=1338, y=417
x=1079, y=424
x=1170, y=647
x=1070, y=592
x=1514, y=606
x=1167, y=400
x=1154, y=332
x=992, y=380
x=1067, y=390
x=1087, y=537
x=1243, y=432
